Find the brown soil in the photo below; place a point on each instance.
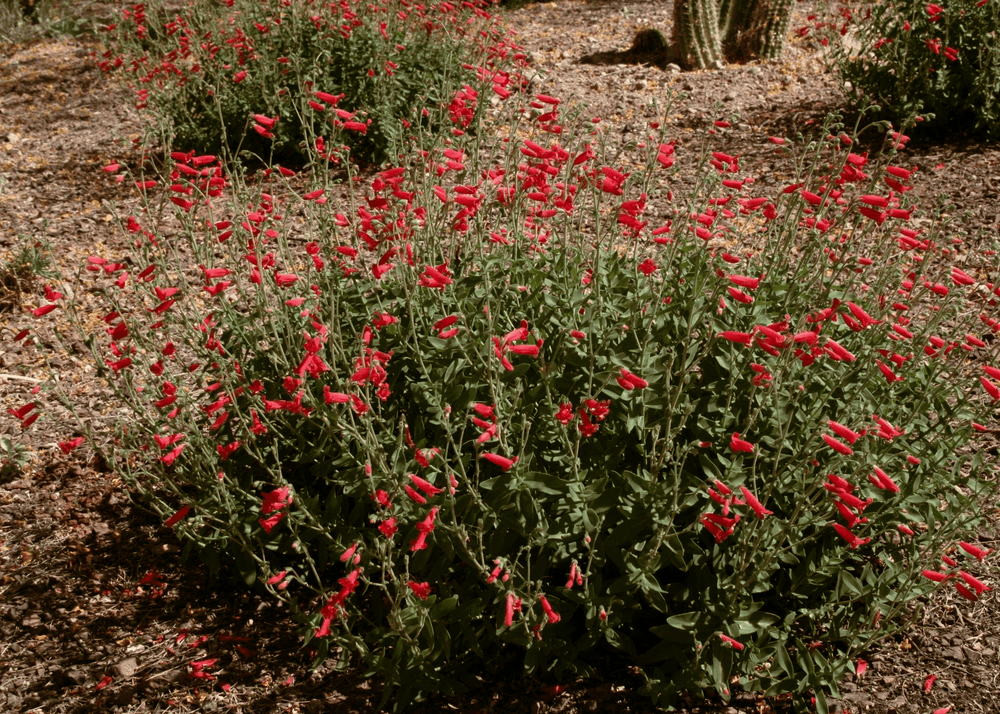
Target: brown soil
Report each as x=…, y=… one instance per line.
x=91, y=588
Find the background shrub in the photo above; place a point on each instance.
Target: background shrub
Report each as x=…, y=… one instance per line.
x=205, y=73
x=913, y=57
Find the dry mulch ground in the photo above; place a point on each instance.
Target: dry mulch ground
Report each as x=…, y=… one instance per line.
x=99, y=611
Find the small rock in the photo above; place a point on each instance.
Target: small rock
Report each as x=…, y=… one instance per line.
x=673, y=68
x=76, y=676
x=718, y=64
x=31, y=621
x=954, y=653
x=126, y=668
x=100, y=529
x=729, y=97
x=13, y=137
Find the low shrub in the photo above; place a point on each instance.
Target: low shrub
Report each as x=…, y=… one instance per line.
x=914, y=57
x=268, y=79
x=496, y=406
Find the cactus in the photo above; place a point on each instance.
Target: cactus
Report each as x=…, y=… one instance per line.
x=708, y=32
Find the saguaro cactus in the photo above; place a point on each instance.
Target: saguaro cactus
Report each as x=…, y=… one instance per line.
x=710, y=32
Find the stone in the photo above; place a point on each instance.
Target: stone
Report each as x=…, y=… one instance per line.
x=76, y=676
x=125, y=668
x=955, y=653
x=673, y=68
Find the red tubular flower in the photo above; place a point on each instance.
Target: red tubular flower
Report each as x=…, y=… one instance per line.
x=974, y=582
x=648, y=267
x=512, y=604
x=266, y=121
x=887, y=372
x=498, y=350
x=388, y=527
x=965, y=592
x=425, y=486
x=936, y=576
x=634, y=380
x=756, y=505
x=929, y=682
x=735, y=644
x=990, y=388
x=974, y=550
x=22, y=412
x=739, y=445
x=424, y=529
x=843, y=432
x=414, y=495
x=565, y=413
x=551, y=614
x=992, y=371
x=43, y=310
x=275, y=500
x=171, y=456
x=744, y=338
x=68, y=446
x=501, y=461
x=838, y=446
x=884, y=482
x=177, y=517
x=851, y=538
x=745, y=282
x=739, y=296
x=421, y=590
x=526, y=350
x=837, y=351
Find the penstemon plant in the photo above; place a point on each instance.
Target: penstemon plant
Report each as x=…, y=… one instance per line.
x=495, y=405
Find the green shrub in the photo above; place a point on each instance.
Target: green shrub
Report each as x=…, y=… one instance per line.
x=245, y=77
x=493, y=407
x=915, y=57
